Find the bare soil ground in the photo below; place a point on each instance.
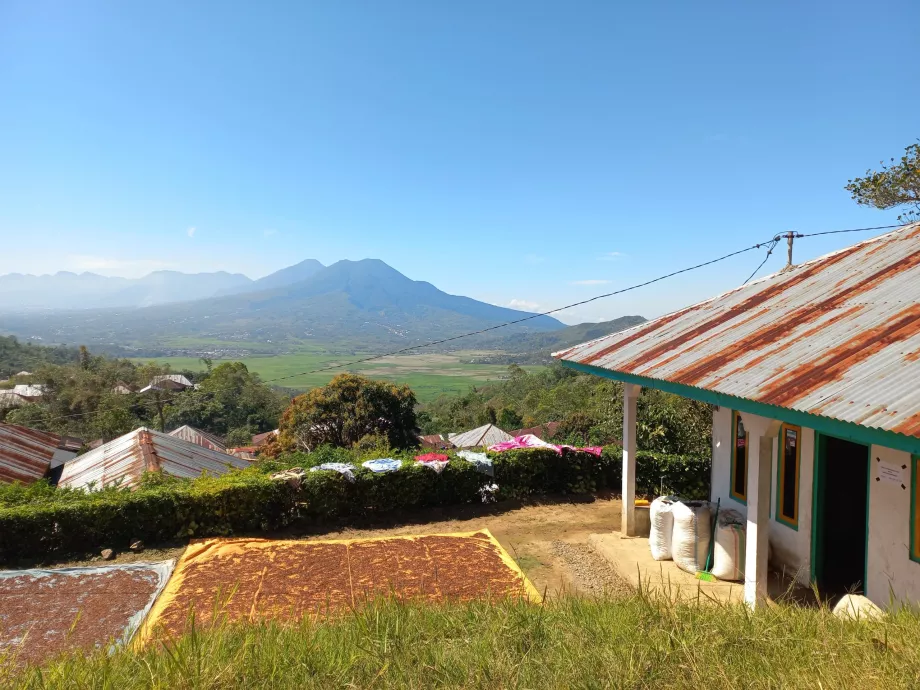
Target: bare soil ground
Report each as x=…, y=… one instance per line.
x=547, y=538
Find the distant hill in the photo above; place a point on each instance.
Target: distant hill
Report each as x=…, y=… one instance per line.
x=66, y=290
x=365, y=304
x=533, y=348
x=16, y=356
x=286, y=276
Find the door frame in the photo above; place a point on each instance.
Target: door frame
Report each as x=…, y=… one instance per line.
x=817, y=505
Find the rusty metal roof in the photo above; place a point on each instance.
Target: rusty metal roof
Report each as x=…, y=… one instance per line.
x=838, y=336
x=125, y=459
x=25, y=454
x=199, y=437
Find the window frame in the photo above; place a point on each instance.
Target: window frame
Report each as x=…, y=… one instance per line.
x=913, y=549
x=741, y=498
x=780, y=472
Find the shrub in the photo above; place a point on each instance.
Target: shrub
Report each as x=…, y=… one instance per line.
x=40, y=521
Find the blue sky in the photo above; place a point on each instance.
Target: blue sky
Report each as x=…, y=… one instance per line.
x=527, y=153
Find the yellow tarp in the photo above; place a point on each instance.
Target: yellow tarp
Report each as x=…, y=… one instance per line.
x=273, y=578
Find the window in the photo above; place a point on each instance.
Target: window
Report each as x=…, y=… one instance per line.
x=739, y=459
x=914, y=501
x=787, y=476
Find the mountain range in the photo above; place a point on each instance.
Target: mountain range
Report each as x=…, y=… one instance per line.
x=365, y=304
x=66, y=290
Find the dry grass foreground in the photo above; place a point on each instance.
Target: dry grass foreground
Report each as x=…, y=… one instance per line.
x=635, y=641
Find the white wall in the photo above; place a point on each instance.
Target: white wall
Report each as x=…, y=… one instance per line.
x=890, y=570
x=790, y=548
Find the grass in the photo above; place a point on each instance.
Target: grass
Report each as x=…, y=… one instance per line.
x=636, y=641
x=429, y=375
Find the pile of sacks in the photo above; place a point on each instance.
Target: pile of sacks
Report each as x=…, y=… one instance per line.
x=683, y=530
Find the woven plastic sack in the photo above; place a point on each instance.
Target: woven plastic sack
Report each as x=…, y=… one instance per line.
x=690, y=537
x=662, y=520
x=729, y=548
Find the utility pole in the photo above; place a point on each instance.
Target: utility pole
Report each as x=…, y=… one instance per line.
x=790, y=236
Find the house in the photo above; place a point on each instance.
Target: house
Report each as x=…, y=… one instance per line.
x=485, y=435
x=9, y=398
x=123, y=461
x=168, y=382
x=199, y=437
x=30, y=392
x=27, y=455
x=813, y=377
x=261, y=439
x=122, y=389
x=434, y=442
x=544, y=432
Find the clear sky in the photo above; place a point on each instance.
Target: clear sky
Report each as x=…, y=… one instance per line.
x=527, y=153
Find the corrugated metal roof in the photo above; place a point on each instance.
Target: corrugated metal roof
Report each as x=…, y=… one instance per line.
x=542, y=431
x=126, y=458
x=262, y=439
x=199, y=437
x=485, y=435
x=838, y=336
x=10, y=399
x=25, y=454
x=29, y=390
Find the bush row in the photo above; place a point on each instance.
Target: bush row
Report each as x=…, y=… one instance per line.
x=41, y=522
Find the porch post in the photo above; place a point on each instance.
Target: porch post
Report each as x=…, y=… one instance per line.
x=761, y=432
x=628, y=519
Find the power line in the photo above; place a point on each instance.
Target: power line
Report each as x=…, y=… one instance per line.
x=516, y=321
x=836, y=232
x=770, y=249
x=772, y=245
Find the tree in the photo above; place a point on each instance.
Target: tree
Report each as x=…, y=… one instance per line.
x=896, y=184
x=509, y=420
x=346, y=410
x=229, y=397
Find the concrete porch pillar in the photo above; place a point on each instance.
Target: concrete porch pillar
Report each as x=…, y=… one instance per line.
x=628, y=519
x=761, y=432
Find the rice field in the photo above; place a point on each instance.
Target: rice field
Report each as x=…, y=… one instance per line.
x=429, y=375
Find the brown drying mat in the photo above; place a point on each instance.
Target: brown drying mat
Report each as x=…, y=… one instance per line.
x=239, y=579
x=44, y=613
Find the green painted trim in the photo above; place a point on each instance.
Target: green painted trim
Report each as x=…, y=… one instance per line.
x=833, y=427
x=732, y=462
x=868, y=514
x=780, y=458
x=914, y=556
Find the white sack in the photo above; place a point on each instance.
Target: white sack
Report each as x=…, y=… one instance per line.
x=729, y=549
x=690, y=538
x=659, y=538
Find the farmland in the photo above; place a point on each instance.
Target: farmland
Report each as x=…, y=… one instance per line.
x=429, y=375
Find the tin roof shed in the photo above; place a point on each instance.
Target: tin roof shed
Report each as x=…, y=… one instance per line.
x=486, y=435
x=26, y=455
x=199, y=437
x=125, y=459
x=836, y=338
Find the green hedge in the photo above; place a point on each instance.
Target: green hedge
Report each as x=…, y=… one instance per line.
x=38, y=522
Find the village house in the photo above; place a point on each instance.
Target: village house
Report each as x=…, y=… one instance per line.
x=124, y=460
x=27, y=455
x=199, y=438
x=813, y=377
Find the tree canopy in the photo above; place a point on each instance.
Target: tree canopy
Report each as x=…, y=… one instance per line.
x=94, y=397
x=345, y=411
x=588, y=407
x=895, y=184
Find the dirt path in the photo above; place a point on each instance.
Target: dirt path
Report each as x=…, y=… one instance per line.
x=547, y=538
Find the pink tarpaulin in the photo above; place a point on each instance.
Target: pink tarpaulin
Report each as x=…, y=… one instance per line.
x=531, y=441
